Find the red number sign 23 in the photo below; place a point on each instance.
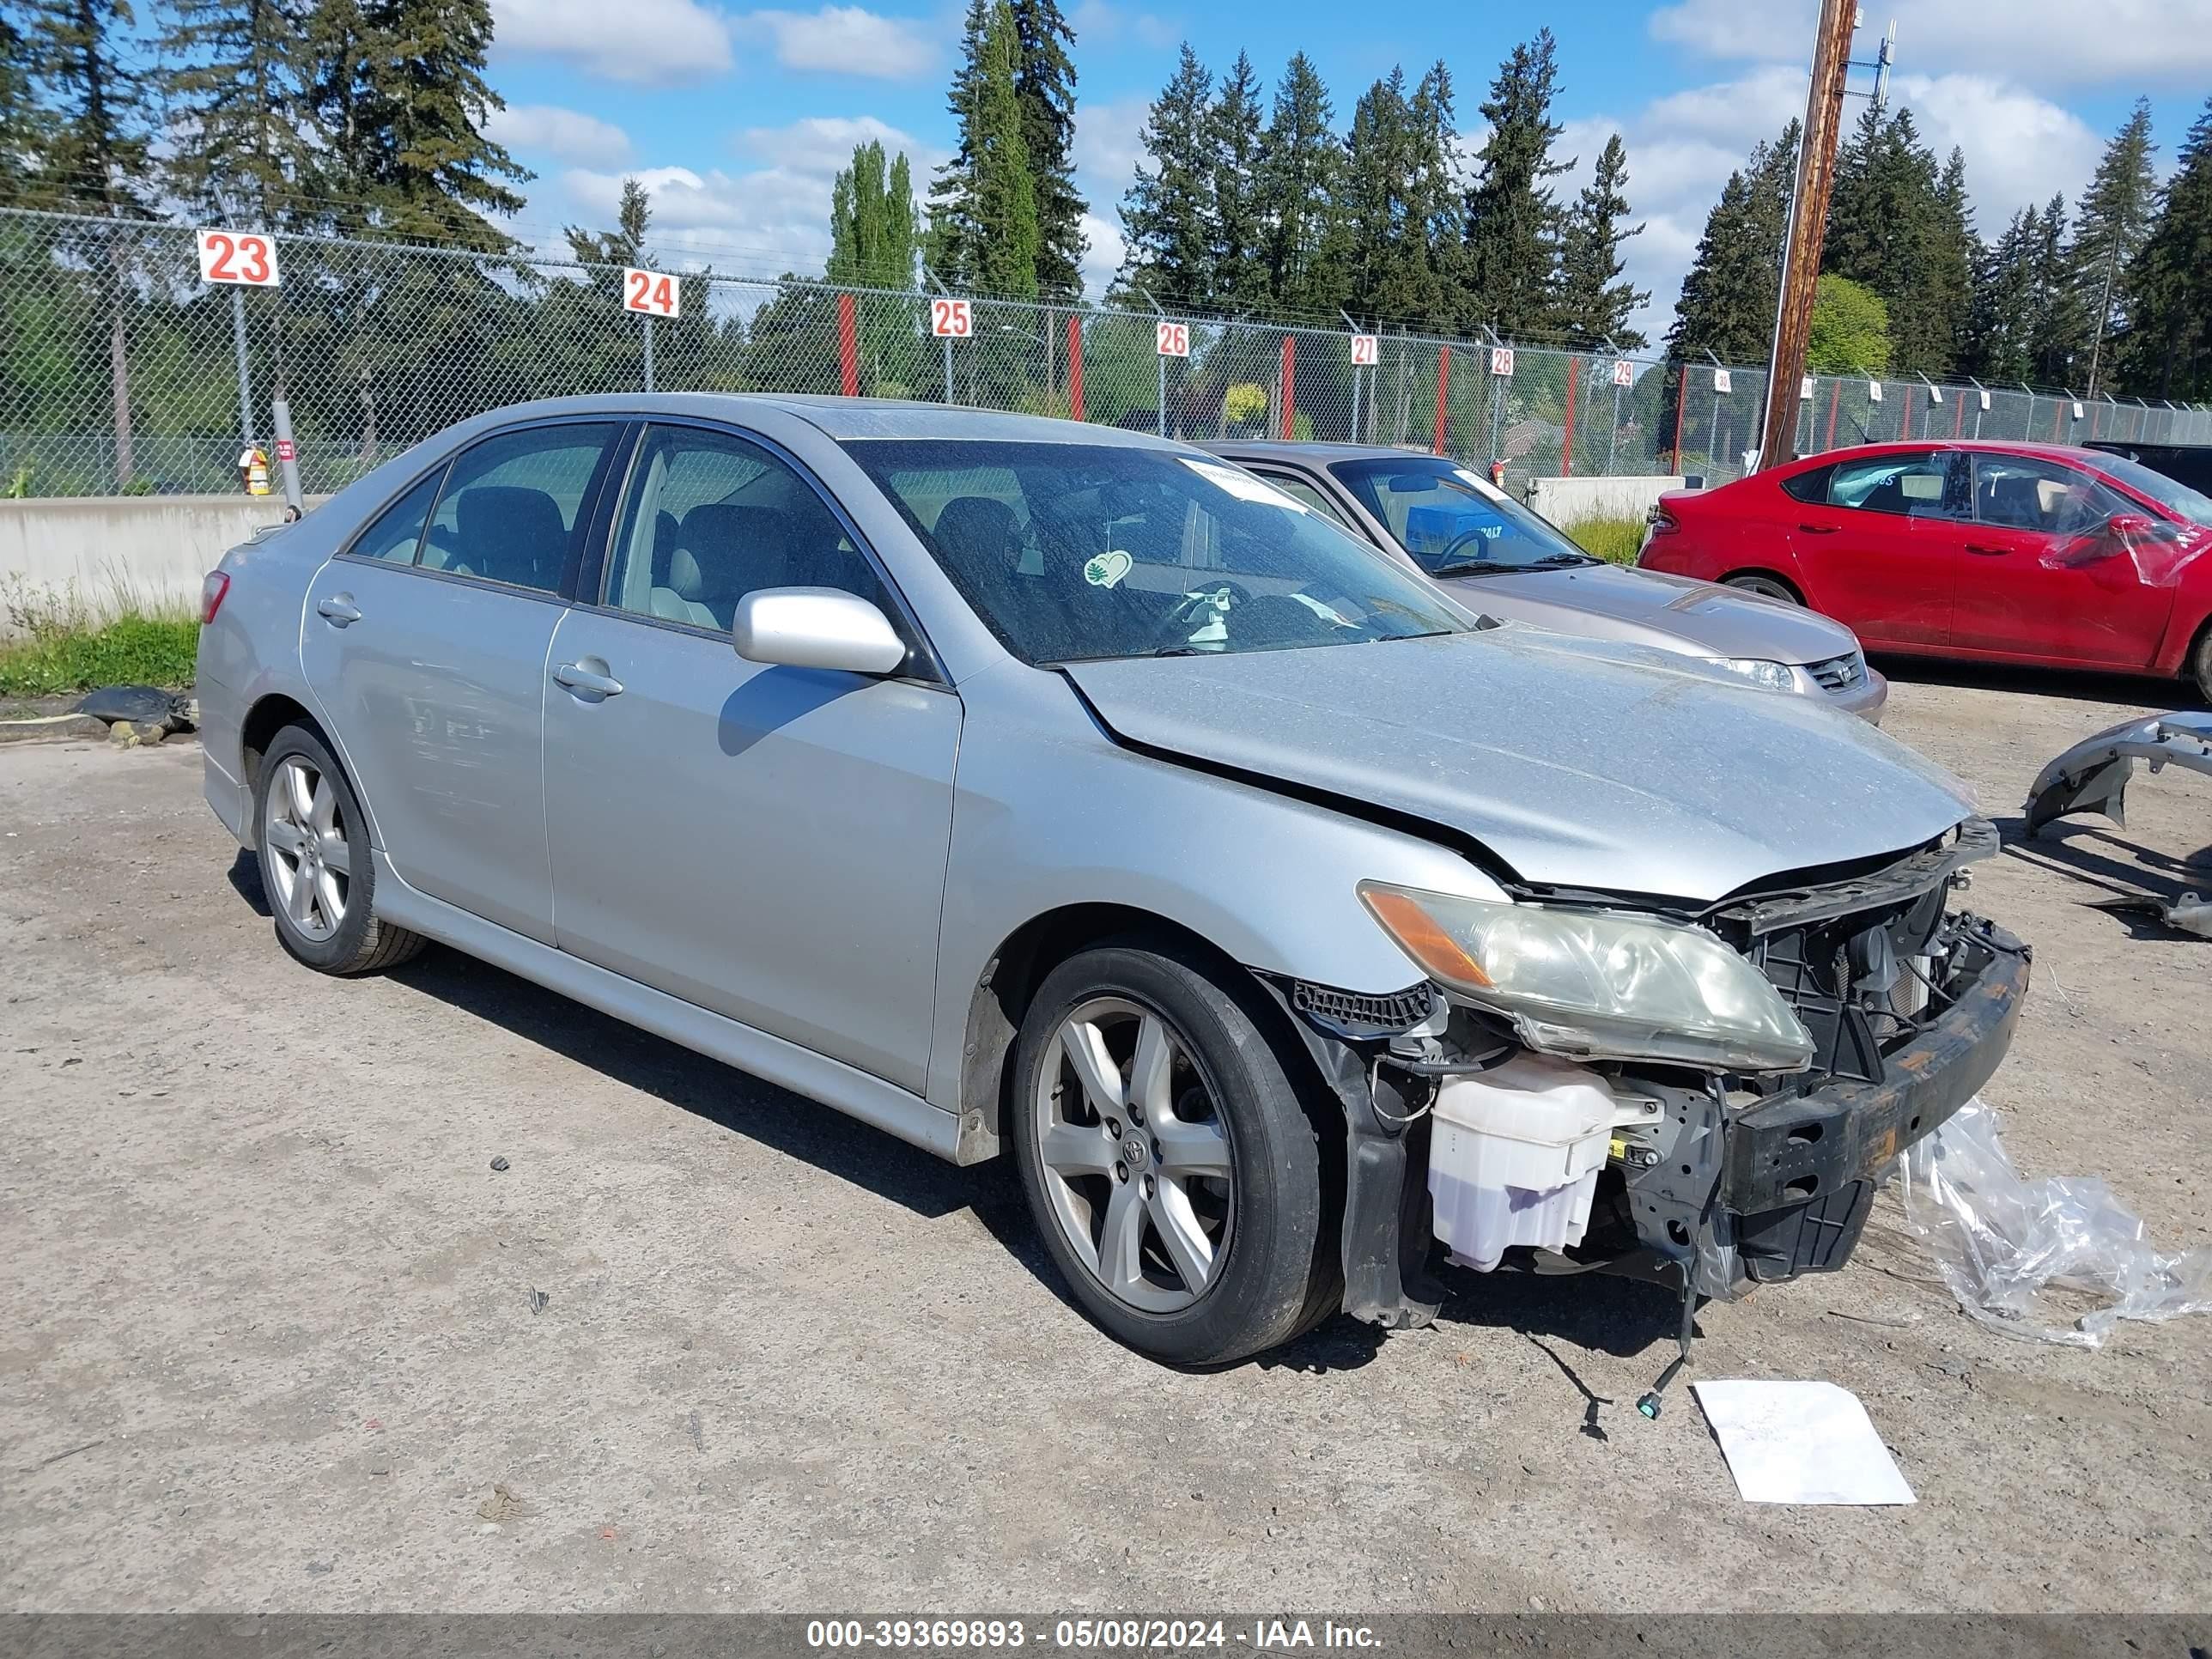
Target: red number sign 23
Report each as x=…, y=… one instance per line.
x=238, y=256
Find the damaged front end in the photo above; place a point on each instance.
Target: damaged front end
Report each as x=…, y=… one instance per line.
x=1713, y=1153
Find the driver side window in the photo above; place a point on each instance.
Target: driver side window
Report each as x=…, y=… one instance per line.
x=2021, y=492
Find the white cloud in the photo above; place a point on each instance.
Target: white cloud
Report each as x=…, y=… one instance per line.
x=2019, y=148
x=843, y=40
x=565, y=135
x=2035, y=43
x=1107, y=147
x=650, y=42
x=755, y=221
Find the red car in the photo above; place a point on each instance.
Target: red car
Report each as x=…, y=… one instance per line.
x=1997, y=552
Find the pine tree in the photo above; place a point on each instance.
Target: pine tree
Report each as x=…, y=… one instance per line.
x=1167, y=217
x=2114, y=222
x=1594, y=303
x=238, y=109
x=625, y=244
x=984, y=224
x=2058, y=323
x=1950, y=277
x=1512, y=227
x=1398, y=198
x=2169, y=344
x=1887, y=230
x=1239, y=278
x=22, y=124
x=1996, y=340
x=1727, y=301
x=400, y=86
x=1301, y=169
x=1045, y=86
x=875, y=242
x=95, y=154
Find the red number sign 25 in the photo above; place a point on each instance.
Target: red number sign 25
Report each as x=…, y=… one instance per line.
x=654, y=293
x=952, y=320
x=238, y=256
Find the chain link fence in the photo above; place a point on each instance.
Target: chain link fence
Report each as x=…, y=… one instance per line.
x=122, y=372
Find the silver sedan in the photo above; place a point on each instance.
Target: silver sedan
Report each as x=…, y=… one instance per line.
x=1027, y=788
x=1509, y=562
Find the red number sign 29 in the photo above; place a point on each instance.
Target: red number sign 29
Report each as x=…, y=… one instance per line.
x=952, y=320
x=238, y=256
x=655, y=293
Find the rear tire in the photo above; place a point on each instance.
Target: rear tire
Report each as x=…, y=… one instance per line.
x=315, y=864
x=2200, y=664
x=1771, y=587
x=1168, y=1158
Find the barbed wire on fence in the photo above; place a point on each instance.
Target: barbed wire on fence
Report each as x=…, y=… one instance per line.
x=120, y=369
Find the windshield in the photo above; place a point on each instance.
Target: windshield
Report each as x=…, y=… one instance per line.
x=2169, y=493
x=1073, y=552
x=1452, y=521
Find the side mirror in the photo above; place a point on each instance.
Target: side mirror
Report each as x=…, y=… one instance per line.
x=2130, y=527
x=815, y=627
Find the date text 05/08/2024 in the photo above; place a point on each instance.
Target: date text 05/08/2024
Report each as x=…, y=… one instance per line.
x=1090, y=1635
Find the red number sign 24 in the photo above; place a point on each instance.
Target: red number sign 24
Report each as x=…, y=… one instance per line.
x=238, y=256
x=654, y=293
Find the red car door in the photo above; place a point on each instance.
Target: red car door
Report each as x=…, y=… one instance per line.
x=1870, y=541
x=2045, y=578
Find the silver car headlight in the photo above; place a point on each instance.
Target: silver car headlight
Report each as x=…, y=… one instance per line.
x=1592, y=985
x=1774, y=676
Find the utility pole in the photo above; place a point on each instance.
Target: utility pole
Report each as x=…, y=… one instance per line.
x=1808, y=224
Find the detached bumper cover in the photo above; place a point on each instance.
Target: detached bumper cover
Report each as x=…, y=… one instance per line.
x=2092, y=776
x=1801, y=1171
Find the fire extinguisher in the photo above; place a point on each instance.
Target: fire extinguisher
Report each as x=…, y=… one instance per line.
x=1497, y=473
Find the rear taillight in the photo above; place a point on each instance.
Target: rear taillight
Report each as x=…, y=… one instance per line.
x=212, y=591
x=1662, y=522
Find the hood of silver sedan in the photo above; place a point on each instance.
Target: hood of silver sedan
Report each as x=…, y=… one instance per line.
x=1579, y=763
x=1647, y=607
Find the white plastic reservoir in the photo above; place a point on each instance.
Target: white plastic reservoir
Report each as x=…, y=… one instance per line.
x=1515, y=1156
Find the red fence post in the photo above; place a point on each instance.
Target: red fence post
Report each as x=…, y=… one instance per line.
x=1074, y=368
x=1958, y=414
x=1905, y=416
x=1681, y=408
x=1443, y=379
x=2058, y=425
x=1567, y=441
x=848, y=346
x=1835, y=404
x=1290, y=385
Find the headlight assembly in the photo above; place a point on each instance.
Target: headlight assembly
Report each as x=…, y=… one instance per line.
x=1592, y=985
x=1774, y=676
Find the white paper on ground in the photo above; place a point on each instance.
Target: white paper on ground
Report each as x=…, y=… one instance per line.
x=1800, y=1442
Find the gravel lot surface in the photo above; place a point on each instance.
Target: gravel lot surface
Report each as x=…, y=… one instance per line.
x=275, y=1336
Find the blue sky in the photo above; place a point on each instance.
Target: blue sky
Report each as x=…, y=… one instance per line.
x=737, y=118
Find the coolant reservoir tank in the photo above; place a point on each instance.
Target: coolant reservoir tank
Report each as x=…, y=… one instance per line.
x=1515, y=1155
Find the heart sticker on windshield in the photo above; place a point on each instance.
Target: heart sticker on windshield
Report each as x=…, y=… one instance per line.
x=1108, y=568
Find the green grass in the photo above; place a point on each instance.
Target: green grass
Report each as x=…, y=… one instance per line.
x=59, y=644
x=1614, y=540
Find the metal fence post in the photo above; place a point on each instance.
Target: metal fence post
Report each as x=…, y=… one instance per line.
x=288, y=454
x=245, y=372
x=648, y=354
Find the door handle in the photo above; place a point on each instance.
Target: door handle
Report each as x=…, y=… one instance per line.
x=585, y=683
x=1819, y=529
x=1986, y=550
x=338, y=610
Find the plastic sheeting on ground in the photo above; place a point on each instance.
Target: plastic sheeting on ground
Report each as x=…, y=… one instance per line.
x=2005, y=1244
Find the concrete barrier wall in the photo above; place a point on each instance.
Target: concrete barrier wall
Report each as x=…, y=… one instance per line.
x=1570, y=500
x=107, y=554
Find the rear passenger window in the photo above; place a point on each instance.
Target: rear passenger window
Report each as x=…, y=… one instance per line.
x=1911, y=486
x=1812, y=486
x=711, y=518
x=397, y=531
x=511, y=504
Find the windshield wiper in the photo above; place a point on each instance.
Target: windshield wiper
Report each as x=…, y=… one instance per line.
x=1562, y=560
x=1475, y=568
x=1179, y=651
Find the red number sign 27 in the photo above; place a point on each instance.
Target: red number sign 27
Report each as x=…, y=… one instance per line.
x=238, y=256
x=655, y=293
x=1366, y=350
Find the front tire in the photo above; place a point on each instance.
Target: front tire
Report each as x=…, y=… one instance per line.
x=1168, y=1158
x=315, y=864
x=2200, y=664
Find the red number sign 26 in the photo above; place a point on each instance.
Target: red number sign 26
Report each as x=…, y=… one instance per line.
x=238, y=256
x=654, y=293
x=1173, y=339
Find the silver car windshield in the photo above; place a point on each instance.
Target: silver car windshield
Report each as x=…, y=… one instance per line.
x=1451, y=522
x=1078, y=552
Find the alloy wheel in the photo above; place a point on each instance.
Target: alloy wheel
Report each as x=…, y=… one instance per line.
x=1135, y=1155
x=307, y=862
